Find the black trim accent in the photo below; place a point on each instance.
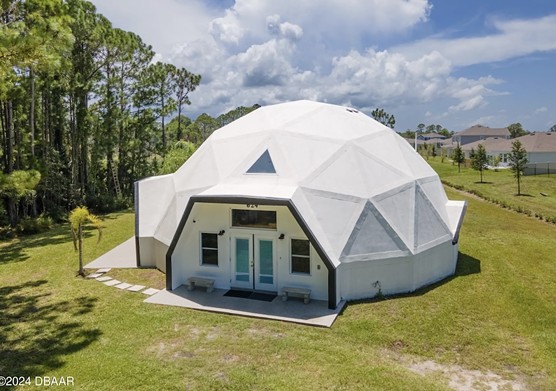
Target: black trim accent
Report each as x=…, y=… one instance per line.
x=136, y=203
x=174, y=243
x=137, y=251
x=261, y=201
x=460, y=222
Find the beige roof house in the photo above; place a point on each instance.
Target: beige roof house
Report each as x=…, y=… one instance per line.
x=539, y=142
x=479, y=132
x=540, y=147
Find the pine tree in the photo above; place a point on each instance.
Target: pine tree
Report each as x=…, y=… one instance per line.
x=479, y=160
x=383, y=117
x=459, y=156
x=518, y=160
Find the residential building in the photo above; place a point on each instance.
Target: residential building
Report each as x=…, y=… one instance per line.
x=478, y=133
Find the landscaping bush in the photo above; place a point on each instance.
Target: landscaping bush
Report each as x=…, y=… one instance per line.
x=29, y=226
x=106, y=204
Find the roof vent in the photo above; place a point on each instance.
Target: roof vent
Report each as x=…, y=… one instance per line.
x=352, y=110
x=263, y=165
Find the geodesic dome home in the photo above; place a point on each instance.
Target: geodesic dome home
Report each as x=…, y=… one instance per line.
x=301, y=194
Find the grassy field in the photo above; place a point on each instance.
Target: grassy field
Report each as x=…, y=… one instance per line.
x=498, y=313
x=501, y=186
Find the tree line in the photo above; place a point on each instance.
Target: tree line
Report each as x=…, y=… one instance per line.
x=84, y=110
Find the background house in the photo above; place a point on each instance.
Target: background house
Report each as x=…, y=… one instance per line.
x=541, y=152
x=540, y=147
x=494, y=146
x=429, y=136
x=479, y=132
x=425, y=139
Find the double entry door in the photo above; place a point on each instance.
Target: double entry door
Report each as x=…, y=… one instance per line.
x=253, y=261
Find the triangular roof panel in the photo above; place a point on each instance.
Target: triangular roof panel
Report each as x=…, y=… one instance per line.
x=429, y=227
x=263, y=165
x=397, y=207
x=384, y=146
x=335, y=214
x=373, y=235
x=341, y=172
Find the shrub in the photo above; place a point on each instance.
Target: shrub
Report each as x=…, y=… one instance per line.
x=29, y=226
x=106, y=204
x=7, y=232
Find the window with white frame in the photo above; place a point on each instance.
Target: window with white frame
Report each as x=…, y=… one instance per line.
x=300, y=256
x=209, y=249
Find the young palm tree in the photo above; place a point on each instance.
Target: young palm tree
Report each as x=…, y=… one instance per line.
x=79, y=218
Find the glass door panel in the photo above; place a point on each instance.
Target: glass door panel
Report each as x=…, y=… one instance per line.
x=264, y=268
x=242, y=262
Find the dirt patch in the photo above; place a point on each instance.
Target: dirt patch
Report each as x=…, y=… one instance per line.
x=220, y=376
x=181, y=354
x=229, y=358
x=265, y=333
x=459, y=378
x=170, y=350
x=209, y=334
x=462, y=379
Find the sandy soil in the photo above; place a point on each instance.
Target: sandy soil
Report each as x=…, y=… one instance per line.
x=459, y=378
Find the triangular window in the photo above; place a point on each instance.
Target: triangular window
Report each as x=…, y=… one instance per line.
x=263, y=165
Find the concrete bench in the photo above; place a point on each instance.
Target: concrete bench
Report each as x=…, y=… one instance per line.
x=193, y=282
x=304, y=293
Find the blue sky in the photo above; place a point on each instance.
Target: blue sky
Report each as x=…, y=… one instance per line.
x=454, y=63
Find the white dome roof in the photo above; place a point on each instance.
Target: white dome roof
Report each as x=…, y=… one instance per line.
x=359, y=186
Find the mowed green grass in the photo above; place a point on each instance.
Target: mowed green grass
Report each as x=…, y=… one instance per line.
x=501, y=185
x=498, y=313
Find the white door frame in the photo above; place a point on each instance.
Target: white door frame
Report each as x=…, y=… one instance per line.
x=252, y=278
x=243, y=278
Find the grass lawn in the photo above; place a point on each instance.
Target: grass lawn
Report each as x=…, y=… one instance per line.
x=501, y=185
x=497, y=314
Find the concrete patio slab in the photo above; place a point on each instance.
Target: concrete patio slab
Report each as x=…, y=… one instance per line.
x=105, y=278
x=123, y=285
x=94, y=275
x=121, y=256
x=136, y=288
x=150, y=291
x=104, y=270
x=112, y=282
x=316, y=313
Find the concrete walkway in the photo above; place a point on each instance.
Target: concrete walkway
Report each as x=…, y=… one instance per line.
x=100, y=275
x=121, y=256
x=316, y=313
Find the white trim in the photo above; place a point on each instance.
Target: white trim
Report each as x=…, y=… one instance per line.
x=201, y=263
x=233, y=260
x=303, y=256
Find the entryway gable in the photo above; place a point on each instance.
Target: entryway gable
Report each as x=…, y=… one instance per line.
x=223, y=235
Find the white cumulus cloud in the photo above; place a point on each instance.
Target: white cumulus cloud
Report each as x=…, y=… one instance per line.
x=287, y=30
x=227, y=29
x=260, y=51
x=513, y=38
